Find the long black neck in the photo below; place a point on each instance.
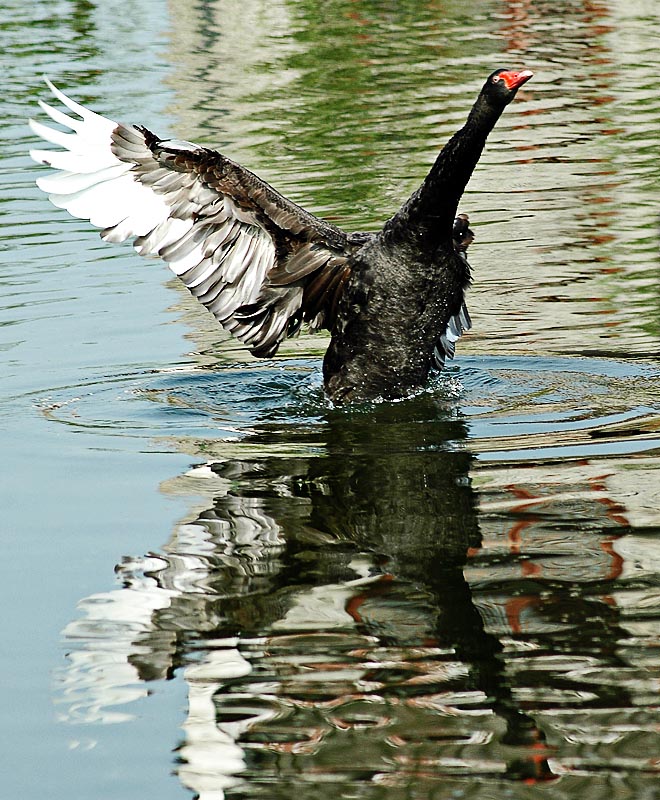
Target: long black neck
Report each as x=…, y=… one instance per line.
x=428, y=215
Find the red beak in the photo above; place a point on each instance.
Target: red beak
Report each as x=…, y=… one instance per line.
x=514, y=80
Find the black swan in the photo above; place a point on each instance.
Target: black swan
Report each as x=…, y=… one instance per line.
x=262, y=265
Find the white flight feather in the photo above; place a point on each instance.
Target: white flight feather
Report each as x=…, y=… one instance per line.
x=74, y=162
x=91, y=118
x=72, y=142
x=70, y=182
x=61, y=118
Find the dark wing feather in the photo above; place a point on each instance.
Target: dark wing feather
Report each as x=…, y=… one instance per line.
x=446, y=345
x=460, y=321
x=257, y=261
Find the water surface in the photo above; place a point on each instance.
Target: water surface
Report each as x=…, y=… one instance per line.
x=218, y=585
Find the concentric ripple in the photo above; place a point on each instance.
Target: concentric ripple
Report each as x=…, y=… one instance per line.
x=515, y=408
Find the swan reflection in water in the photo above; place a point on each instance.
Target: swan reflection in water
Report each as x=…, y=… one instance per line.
x=324, y=594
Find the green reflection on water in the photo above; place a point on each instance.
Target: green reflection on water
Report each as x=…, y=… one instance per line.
x=344, y=108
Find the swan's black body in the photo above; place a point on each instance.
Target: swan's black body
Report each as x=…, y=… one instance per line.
x=393, y=311
x=393, y=300
x=408, y=280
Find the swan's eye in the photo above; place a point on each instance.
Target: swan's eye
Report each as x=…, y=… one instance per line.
x=497, y=78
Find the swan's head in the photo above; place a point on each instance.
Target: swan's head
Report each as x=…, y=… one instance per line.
x=502, y=85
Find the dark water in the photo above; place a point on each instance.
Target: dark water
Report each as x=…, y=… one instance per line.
x=217, y=585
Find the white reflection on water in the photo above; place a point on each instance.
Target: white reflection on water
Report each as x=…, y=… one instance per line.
x=299, y=600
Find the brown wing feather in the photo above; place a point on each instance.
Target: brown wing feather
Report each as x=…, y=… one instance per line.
x=308, y=251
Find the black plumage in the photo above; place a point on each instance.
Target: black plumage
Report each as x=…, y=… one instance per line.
x=393, y=301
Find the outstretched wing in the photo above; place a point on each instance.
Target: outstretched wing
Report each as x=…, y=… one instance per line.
x=260, y=264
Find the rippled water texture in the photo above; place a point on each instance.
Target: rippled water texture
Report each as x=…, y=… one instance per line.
x=217, y=585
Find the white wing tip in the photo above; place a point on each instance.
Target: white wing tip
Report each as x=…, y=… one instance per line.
x=40, y=156
x=86, y=114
